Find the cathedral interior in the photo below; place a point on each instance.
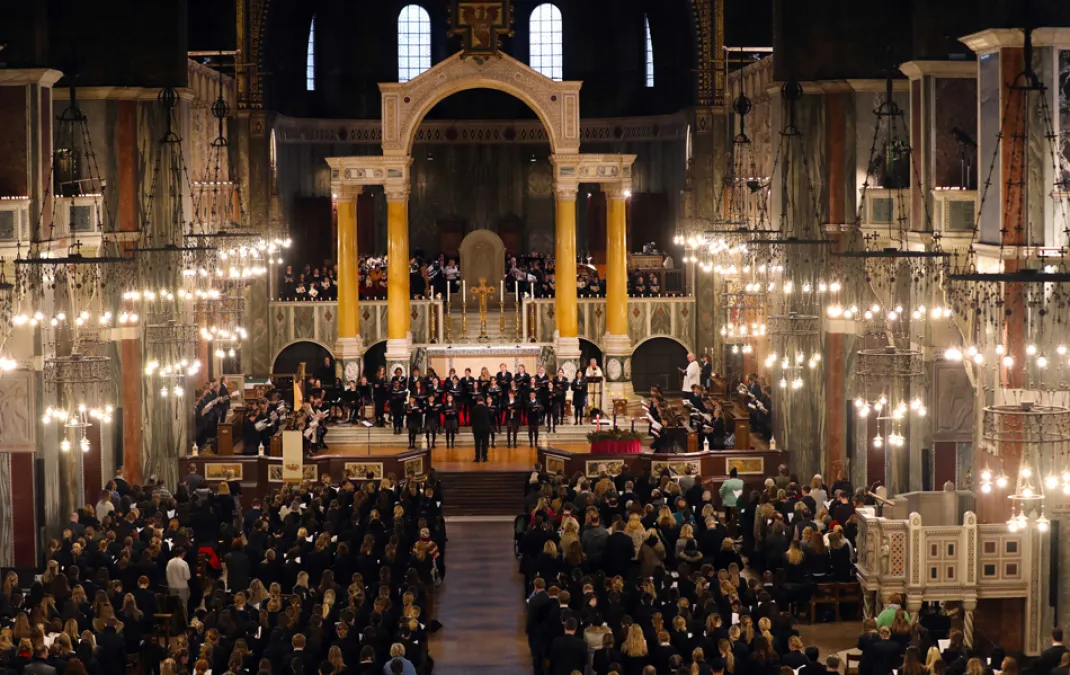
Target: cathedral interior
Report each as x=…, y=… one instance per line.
x=855, y=214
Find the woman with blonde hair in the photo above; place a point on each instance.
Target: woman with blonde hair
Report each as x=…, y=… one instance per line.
x=975, y=667
x=634, y=528
x=634, y=649
x=11, y=584
x=169, y=667
x=724, y=647
x=817, y=490
x=687, y=533
x=932, y=657
x=1010, y=666
x=22, y=629
x=765, y=628
x=257, y=593
x=334, y=657
x=301, y=587
x=570, y=532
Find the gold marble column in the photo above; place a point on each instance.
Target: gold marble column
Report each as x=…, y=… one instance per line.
x=398, y=303
x=616, y=261
x=565, y=262
x=348, y=273
x=617, y=343
x=349, y=349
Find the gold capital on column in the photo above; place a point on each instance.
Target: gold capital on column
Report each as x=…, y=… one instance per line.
x=565, y=261
x=616, y=259
x=348, y=267
x=397, y=284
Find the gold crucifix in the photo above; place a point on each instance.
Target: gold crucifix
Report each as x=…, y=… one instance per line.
x=483, y=291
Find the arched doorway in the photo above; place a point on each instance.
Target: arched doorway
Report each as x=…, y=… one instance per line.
x=310, y=353
x=588, y=351
x=657, y=362
x=374, y=357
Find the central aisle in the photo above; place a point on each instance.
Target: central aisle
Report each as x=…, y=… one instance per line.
x=480, y=604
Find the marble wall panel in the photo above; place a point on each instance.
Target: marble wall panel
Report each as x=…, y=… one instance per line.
x=304, y=318
x=953, y=404
x=258, y=347
x=420, y=325
x=547, y=324
x=954, y=107
x=684, y=325
x=661, y=318
x=327, y=323
x=7, y=532
x=638, y=322
x=1064, y=113
x=17, y=418
x=281, y=323
x=989, y=85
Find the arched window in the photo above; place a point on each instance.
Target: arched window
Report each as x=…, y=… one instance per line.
x=649, y=52
x=414, y=42
x=546, y=41
x=310, y=62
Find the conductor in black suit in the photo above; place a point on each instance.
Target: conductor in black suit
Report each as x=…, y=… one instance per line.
x=481, y=424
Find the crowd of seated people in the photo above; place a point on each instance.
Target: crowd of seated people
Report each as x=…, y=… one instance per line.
x=532, y=275
x=924, y=643
x=637, y=575
x=316, y=579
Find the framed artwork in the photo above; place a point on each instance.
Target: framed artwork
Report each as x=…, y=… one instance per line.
x=414, y=465
x=361, y=470
x=555, y=464
x=275, y=473
x=676, y=468
x=219, y=471
x=309, y=472
x=750, y=466
x=612, y=466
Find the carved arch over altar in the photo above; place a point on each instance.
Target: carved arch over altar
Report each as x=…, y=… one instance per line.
x=404, y=104
x=483, y=257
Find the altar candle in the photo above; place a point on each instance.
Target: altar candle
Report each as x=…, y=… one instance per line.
x=598, y=422
x=633, y=425
x=518, y=294
x=448, y=283
x=463, y=288
x=501, y=292
x=614, y=420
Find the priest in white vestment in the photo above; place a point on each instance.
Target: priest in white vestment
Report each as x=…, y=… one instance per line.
x=691, y=373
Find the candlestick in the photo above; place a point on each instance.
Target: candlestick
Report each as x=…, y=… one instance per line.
x=464, y=318
x=449, y=321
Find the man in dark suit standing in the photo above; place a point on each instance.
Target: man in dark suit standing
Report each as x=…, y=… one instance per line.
x=538, y=603
x=481, y=424
x=1049, y=658
x=569, y=652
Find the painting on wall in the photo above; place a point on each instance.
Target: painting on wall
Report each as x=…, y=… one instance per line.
x=676, y=468
x=613, y=467
x=275, y=473
x=555, y=465
x=746, y=466
x=365, y=470
x=222, y=471
x=414, y=467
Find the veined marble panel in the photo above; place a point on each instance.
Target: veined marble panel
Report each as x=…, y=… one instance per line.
x=17, y=417
x=647, y=318
x=7, y=530
x=318, y=322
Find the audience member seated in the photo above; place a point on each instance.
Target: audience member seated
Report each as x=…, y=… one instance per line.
x=278, y=588
x=660, y=590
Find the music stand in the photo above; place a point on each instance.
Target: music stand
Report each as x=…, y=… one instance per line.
x=368, y=425
x=594, y=385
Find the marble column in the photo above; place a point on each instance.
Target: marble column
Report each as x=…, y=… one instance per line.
x=399, y=336
x=350, y=348
x=618, y=345
x=567, y=343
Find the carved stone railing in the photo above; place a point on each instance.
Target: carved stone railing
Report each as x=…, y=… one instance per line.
x=291, y=322
x=647, y=318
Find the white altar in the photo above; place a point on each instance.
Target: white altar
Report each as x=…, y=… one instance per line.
x=477, y=357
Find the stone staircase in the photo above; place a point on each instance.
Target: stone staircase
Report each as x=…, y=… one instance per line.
x=483, y=493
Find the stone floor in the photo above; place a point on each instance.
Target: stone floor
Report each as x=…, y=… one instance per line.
x=481, y=607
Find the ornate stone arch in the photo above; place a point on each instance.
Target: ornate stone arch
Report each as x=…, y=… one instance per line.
x=404, y=104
